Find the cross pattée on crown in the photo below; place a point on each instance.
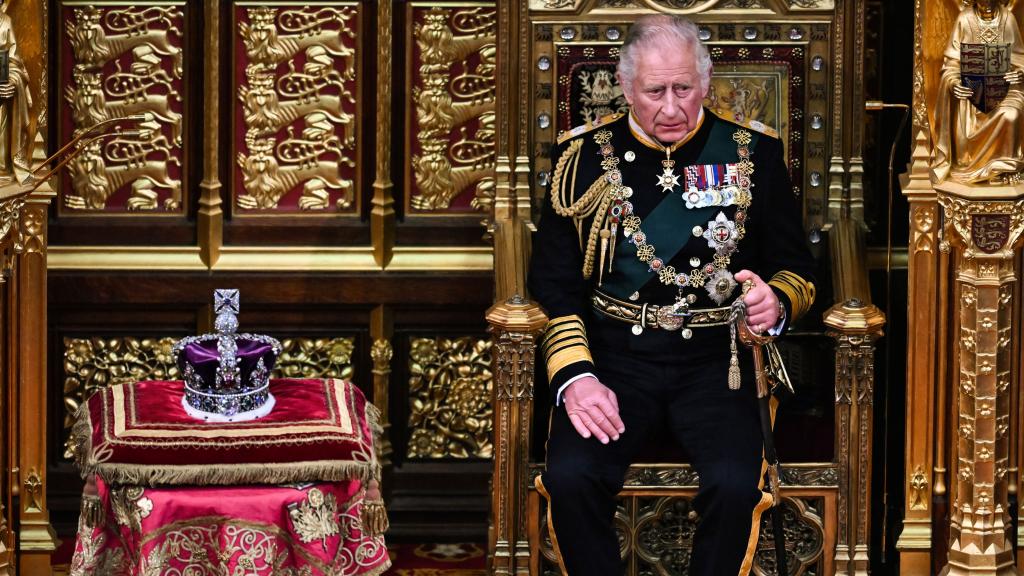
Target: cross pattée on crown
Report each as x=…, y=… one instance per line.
x=225, y=300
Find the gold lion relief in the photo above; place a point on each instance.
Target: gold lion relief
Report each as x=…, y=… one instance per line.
x=93, y=48
x=266, y=181
x=265, y=46
x=298, y=118
x=454, y=96
x=126, y=62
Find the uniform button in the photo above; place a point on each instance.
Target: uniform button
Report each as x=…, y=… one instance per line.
x=698, y=231
x=687, y=333
x=629, y=156
x=695, y=262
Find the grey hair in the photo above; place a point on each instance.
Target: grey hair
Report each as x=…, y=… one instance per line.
x=648, y=30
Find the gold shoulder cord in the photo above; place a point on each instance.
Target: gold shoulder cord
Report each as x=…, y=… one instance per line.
x=595, y=200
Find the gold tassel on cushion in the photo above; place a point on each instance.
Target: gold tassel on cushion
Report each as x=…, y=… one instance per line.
x=374, y=514
x=92, y=507
x=375, y=517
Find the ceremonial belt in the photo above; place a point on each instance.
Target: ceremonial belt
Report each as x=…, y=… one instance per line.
x=667, y=317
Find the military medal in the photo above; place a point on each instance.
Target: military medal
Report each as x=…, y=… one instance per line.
x=668, y=178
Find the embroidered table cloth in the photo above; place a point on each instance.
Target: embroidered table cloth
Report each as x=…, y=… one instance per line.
x=281, y=495
x=299, y=530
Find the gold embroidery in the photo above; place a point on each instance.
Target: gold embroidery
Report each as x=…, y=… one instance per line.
x=92, y=557
x=130, y=506
x=211, y=543
x=316, y=517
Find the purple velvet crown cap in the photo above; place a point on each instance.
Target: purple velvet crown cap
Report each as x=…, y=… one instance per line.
x=226, y=374
x=255, y=357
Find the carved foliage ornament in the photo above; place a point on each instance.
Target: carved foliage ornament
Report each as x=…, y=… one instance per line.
x=453, y=74
x=126, y=60
x=450, y=388
x=315, y=358
x=296, y=82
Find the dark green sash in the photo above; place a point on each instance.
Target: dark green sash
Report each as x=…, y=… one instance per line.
x=668, y=226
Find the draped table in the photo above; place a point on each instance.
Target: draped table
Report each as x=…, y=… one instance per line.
x=282, y=495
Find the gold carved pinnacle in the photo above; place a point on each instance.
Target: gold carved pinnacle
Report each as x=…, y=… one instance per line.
x=853, y=317
x=381, y=353
x=517, y=315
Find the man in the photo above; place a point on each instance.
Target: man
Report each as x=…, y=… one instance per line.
x=652, y=223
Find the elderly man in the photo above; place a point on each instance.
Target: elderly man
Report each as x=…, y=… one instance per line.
x=652, y=223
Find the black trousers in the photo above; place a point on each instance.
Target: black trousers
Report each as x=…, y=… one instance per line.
x=719, y=429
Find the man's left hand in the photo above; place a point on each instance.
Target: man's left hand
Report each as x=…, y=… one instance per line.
x=762, y=303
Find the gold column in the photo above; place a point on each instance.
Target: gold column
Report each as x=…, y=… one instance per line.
x=984, y=224
x=381, y=330
x=382, y=211
x=36, y=538
x=10, y=247
x=925, y=321
x=511, y=221
x=211, y=216
x=514, y=326
x=855, y=326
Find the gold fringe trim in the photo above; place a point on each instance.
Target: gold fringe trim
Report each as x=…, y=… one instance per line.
x=225, y=474
x=81, y=437
x=551, y=525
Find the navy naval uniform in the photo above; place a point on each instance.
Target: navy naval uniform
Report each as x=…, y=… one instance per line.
x=633, y=261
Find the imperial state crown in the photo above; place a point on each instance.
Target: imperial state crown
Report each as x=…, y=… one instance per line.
x=226, y=374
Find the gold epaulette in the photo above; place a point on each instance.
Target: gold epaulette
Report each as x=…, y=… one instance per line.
x=584, y=128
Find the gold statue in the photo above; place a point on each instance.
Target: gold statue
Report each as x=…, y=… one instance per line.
x=15, y=101
x=976, y=123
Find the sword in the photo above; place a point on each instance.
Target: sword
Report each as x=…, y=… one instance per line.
x=756, y=343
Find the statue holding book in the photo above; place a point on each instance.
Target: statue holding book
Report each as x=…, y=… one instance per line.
x=977, y=121
x=15, y=101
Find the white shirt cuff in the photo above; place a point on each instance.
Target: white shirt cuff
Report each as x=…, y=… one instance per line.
x=558, y=397
x=777, y=329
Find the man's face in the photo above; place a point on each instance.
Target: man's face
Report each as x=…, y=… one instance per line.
x=667, y=91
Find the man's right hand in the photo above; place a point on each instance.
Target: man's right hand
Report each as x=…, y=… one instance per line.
x=593, y=409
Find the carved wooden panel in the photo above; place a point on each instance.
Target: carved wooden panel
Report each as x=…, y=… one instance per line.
x=120, y=59
x=450, y=107
x=295, y=119
x=450, y=388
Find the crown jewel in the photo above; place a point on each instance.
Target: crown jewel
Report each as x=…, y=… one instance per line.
x=227, y=375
